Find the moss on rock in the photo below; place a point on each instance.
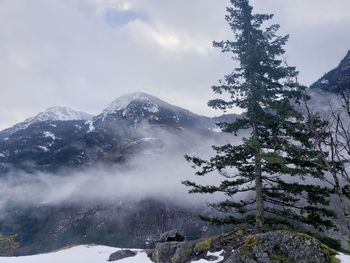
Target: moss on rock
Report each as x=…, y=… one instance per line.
x=203, y=246
x=8, y=245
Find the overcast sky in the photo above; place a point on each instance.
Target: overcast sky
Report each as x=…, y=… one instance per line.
x=85, y=53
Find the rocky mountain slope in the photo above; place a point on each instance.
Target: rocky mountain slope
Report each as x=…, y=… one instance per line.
x=336, y=80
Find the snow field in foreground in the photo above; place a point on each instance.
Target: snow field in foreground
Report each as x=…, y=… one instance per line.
x=87, y=254
x=100, y=254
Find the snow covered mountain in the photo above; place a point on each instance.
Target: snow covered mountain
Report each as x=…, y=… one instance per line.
x=60, y=137
x=139, y=107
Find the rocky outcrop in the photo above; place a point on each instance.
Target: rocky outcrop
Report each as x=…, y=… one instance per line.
x=8, y=245
x=121, y=254
x=280, y=247
x=172, y=235
x=241, y=246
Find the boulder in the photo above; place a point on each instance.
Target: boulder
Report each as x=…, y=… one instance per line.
x=173, y=235
x=173, y=252
x=279, y=247
x=164, y=252
x=122, y=254
x=183, y=253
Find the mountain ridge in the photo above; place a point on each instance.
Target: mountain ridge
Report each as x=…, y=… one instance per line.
x=337, y=79
x=54, y=113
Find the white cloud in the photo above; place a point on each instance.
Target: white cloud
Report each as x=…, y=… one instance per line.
x=101, y=6
x=57, y=52
x=170, y=41
x=316, y=13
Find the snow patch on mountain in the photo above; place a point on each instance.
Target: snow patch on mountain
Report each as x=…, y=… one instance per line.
x=43, y=148
x=215, y=129
x=91, y=125
x=48, y=134
x=152, y=108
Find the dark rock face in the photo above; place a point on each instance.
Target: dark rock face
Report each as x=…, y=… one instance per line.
x=336, y=80
x=172, y=235
x=121, y=254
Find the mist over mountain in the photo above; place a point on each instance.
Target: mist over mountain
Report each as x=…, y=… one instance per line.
x=114, y=178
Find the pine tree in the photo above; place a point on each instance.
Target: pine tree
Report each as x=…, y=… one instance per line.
x=276, y=165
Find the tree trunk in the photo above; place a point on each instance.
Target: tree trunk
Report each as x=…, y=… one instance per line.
x=343, y=204
x=259, y=218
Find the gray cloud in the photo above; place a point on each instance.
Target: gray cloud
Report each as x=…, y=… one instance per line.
x=85, y=53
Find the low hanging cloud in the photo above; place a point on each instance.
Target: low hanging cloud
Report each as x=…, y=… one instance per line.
x=154, y=173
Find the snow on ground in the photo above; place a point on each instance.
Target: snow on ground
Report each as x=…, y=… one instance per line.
x=79, y=254
x=87, y=254
x=216, y=254
x=343, y=258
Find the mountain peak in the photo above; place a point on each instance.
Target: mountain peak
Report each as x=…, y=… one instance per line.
x=58, y=113
x=139, y=106
x=123, y=101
